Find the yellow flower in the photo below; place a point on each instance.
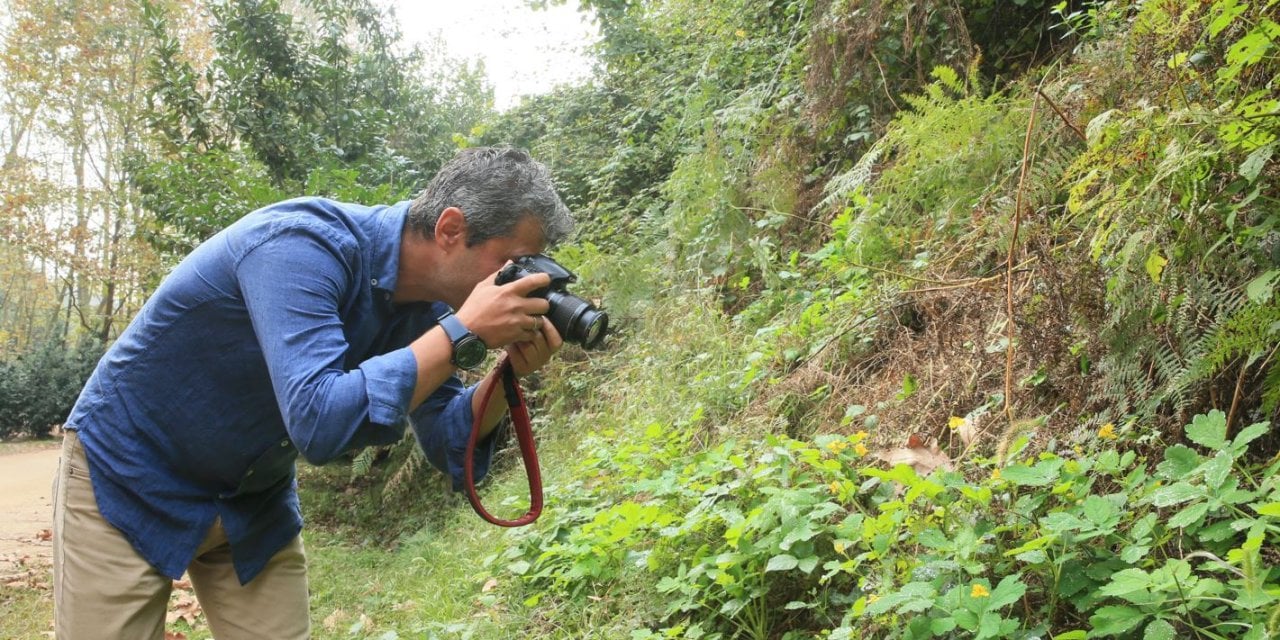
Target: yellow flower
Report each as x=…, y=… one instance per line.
x=1107, y=432
x=955, y=423
x=979, y=591
x=860, y=449
x=995, y=475
x=834, y=487
x=836, y=446
x=860, y=436
x=839, y=547
x=740, y=33
x=872, y=598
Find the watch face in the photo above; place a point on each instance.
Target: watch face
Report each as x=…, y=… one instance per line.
x=469, y=353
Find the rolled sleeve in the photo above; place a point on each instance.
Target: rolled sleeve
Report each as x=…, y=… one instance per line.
x=443, y=425
x=389, y=380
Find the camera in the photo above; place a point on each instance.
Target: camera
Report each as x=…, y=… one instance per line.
x=577, y=320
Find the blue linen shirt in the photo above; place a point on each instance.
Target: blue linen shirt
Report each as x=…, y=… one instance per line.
x=275, y=337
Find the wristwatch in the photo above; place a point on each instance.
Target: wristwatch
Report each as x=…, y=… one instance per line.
x=468, y=349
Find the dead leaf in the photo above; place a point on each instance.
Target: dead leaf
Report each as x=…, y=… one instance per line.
x=184, y=607
x=922, y=454
x=965, y=428
x=489, y=585
x=332, y=620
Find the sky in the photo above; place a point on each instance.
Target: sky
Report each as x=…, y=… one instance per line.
x=526, y=52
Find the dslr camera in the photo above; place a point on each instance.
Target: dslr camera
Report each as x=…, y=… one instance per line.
x=577, y=320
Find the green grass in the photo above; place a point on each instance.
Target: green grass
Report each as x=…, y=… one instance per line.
x=25, y=612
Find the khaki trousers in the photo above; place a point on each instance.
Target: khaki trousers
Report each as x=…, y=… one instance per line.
x=104, y=590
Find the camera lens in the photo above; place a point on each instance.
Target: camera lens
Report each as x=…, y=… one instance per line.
x=577, y=320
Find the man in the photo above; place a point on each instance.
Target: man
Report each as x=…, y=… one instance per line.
x=311, y=327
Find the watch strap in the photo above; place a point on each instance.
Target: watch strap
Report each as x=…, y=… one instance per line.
x=453, y=327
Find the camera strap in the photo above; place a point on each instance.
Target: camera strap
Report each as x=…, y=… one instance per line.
x=524, y=435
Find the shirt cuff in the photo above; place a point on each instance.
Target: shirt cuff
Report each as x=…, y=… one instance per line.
x=388, y=382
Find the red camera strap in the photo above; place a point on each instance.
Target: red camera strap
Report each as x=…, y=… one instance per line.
x=524, y=435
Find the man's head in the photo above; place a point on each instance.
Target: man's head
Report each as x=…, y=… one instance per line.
x=495, y=188
x=486, y=206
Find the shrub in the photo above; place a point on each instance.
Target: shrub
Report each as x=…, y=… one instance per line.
x=39, y=387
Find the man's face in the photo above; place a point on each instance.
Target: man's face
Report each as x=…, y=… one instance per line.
x=475, y=263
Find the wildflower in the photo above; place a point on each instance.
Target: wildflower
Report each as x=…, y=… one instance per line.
x=995, y=475
x=872, y=598
x=955, y=423
x=860, y=449
x=860, y=436
x=834, y=487
x=839, y=547
x=979, y=591
x=836, y=446
x=1107, y=432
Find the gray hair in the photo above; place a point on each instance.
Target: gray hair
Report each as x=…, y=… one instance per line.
x=495, y=187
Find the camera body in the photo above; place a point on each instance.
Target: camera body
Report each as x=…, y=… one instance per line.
x=577, y=320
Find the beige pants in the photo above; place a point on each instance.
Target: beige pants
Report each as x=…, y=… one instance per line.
x=103, y=589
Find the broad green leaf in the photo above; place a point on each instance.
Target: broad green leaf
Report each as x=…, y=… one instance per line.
x=1179, y=460
x=1189, y=516
x=912, y=595
x=1155, y=265
x=1111, y=621
x=1007, y=592
x=1217, y=469
x=1126, y=583
x=1159, y=630
x=1076, y=634
x=1099, y=510
x=1271, y=509
x=1249, y=170
x=782, y=562
x=1249, y=434
x=1021, y=474
x=1174, y=494
x=1209, y=430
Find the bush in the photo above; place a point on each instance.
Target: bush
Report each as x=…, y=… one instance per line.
x=39, y=387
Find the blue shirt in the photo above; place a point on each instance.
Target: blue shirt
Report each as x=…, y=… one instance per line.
x=275, y=337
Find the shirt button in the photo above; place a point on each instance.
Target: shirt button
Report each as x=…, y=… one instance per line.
x=284, y=443
x=374, y=282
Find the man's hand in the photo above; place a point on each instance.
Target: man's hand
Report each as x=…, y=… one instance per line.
x=531, y=355
x=504, y=315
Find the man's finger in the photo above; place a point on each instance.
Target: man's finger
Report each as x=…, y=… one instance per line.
x=528, y=284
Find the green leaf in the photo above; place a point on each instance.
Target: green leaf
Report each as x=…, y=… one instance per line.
x=1076, y=634
x=1189, y=516
x=1007, y=592
x=1021, y=474
x=1217, y=470
x=782, y=562
x=1111, y=621
x=1099, y=510
x=1179, y=460
x=1159, y=630
x=1271, y=509
x=1155, y=265
x=1126, y=583
x=1209, y=430
x=1249, y=434
x=1174, y=494
x=1249, y=170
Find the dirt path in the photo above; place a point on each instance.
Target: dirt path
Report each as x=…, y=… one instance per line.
x=26, y=506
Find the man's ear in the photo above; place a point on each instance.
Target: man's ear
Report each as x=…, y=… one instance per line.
x=451, y=229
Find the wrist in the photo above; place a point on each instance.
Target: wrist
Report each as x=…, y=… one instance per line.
x=468, y=350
